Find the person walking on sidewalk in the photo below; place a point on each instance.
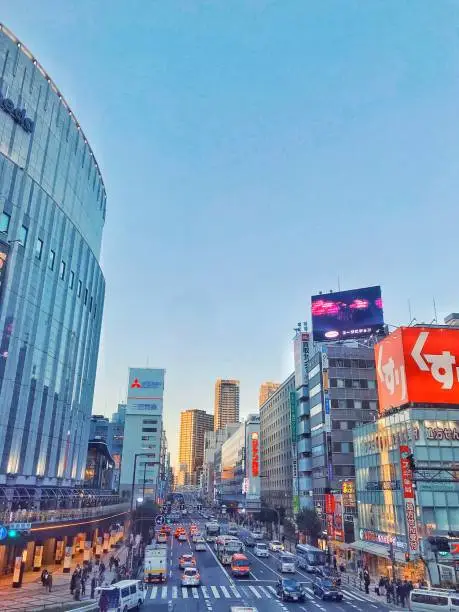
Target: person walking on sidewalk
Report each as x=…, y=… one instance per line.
x=49, y=582
x=366, y=580
x=103, y=602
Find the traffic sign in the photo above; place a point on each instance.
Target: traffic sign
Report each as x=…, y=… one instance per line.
x=20, y=526
x=159, y=520
x=3, y=532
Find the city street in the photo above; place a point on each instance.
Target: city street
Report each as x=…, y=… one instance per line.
x=219, y=590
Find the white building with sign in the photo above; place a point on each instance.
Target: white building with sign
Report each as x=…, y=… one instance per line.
x=142, y=433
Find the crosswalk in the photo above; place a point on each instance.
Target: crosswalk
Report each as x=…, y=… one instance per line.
x=250, y=591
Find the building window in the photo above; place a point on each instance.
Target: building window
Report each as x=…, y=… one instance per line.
x=39, y=248
x=72, y=279
x=62, y=270
x=80, y=285
x=52, y=259
x=149, y=422
x=148, y=429
x=23, y=232
x=85, y=297
x=90, y=305
x=5, y=222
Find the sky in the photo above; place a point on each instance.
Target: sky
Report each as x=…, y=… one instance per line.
x=255, y=152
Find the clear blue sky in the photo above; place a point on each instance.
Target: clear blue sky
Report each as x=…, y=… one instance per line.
x=253, y=151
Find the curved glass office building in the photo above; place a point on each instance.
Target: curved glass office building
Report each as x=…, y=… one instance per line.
x=52, y=212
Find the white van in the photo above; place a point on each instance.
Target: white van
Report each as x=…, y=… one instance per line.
x=123, y=595
x=286, y=564
x=439, y=600
x=261, y=550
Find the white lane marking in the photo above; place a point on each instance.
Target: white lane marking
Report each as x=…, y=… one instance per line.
x=184, y=593
x=352, y=596
x=225, y=592
x=272, y=589
x=195, y=593
x=267, y=566
x=253, y=575
x=308, y=590
x=255, y=592
x=153, y=592
x=163, y=592
x=174, y=592
x=231, y=581
x=235, y=591
x=215, y=592
x=204, y=592
x=265, y=592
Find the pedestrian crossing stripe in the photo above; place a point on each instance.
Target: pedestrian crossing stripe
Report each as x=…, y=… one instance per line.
x=234, y=592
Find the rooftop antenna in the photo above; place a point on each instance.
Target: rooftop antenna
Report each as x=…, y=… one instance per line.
x=435, y=310
x=339, y=286
x=409, y=311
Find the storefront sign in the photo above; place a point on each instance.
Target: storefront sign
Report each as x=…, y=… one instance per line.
x=442, y=433
x=255, y=454
x=338, y=519
x=408, y=496
x=37, y=557
x=383, y=485
x=349, y=494
x=329, y=503
x=59, y=551
x=330, y=530
x=381, y=538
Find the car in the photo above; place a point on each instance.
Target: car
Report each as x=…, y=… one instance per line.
x=261, y=550
x=248, y=540
x=186, y=560
x=329, y=572
x=290, y=590
x=178, y=531
x=233, y=530
x=257, y=535
x=286, y=563
x=182, y=537
x=161, y=538
x=200, y=544
x=325, y=589
x=196, y=536
x=191, y=577
x=276, y=546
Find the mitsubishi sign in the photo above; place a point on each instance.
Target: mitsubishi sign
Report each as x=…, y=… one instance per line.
x=145, y=390
x=419, y=365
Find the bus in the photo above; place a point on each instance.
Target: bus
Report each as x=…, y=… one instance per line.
x=310, y=558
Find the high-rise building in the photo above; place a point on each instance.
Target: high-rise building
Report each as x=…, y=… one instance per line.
x=226, y=409
x=266, y=390
x=52, y=213
x=275, y=448
x=213, y=441
x=143, y=433
x=193, y=425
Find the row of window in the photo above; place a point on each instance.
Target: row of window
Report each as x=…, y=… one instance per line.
x=5, y=219
x=352, y=383
x=355, y=404
x=351, y=363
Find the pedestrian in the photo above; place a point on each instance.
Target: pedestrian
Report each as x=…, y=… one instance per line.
x=335, y=563
x=83, y=585
x=44, y=577
x=402, y=594
x=389, y=591
x=50, y=582
x=366, y=580
x=77, y=587
x=103, y=602
x=72, y=582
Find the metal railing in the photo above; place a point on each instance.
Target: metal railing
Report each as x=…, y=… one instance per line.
x=71, y=514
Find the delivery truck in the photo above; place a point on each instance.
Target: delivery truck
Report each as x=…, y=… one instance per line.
x=155, y=563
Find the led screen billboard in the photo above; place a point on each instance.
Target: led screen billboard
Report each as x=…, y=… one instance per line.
x=347, y=314
x=418, y=364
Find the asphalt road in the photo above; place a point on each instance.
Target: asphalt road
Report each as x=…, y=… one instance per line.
x=219, y=590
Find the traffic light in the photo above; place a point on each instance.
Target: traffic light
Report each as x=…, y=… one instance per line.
x=411, y=461
x=407, y=557
x=13, y=533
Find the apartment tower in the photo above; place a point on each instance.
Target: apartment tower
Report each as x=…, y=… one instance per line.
x=226, y=403
x=193, y=425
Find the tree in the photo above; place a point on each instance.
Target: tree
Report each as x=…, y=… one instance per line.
x=309, y=523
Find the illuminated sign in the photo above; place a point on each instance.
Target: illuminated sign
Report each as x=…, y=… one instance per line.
x=17, y=114
x=329, y=503
x=418, y=364
x=382, y=538
x=408, y=496
x=347, y=314
x=255, y=454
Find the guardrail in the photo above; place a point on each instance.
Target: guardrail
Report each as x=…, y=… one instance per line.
x=49, y=516
x=63, y=606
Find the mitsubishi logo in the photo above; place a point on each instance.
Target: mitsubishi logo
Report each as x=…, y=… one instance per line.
x=136, y=384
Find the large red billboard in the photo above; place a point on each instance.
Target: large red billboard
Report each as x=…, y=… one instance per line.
x=418, y=364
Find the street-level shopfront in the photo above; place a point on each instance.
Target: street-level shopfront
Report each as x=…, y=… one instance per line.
x=391, y=511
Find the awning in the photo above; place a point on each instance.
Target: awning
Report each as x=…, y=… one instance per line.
x=377, y=549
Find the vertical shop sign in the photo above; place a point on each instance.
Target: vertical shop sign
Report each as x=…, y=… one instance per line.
x=338, y=518
x=409, y=500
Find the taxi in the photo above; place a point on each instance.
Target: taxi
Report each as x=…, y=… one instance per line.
x=178, y=531
x=161, y=537
x=186, y=560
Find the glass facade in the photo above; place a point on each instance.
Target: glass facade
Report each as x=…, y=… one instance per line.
x=52, y=212
x=433, y=436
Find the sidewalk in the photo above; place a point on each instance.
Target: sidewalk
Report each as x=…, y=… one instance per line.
x=32, y=595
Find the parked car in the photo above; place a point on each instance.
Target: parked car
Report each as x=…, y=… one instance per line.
x=191, y=577
x=325, y=589
x=261, y=550
x=286, y=563
x=276, y=546
x=187, y=560
x=290, y=590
